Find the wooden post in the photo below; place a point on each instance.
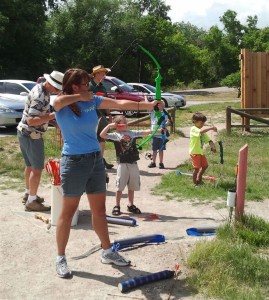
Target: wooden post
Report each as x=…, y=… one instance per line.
x=228, y=119
x=173, y=116
x=241, y=182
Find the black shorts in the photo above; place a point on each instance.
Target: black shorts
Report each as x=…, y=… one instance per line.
x=157, y=144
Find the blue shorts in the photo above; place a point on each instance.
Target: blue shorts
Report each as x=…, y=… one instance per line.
x=32, y=151
x=157, y=144
x=83, y=173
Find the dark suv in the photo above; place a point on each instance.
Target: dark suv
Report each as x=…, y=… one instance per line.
x=118, y=89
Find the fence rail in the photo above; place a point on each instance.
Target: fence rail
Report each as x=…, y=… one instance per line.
x=171, y=111
x=245, y=116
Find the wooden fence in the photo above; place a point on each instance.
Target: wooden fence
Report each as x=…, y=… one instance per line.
x=140, y=121
x=254, y=90
x=246, y=113
x=254, y=79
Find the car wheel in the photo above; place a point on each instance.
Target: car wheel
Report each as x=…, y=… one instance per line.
x=130, y=113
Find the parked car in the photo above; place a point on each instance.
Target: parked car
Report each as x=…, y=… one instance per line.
x=169, y=99
x=118, y=89
x=10, y=111
x=16, y=89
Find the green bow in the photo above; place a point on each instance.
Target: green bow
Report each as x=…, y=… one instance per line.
x=158, y=97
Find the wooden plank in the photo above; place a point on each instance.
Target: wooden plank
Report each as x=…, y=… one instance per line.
x=267, y=80
x=254, y=76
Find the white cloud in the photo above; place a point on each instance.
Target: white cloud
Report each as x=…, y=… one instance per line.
x=206, y=13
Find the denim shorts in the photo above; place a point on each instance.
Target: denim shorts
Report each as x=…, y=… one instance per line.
x=32, y=151
x=157, y=144
x=83, y=173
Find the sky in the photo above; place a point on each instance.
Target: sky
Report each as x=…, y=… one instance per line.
x=206, y=13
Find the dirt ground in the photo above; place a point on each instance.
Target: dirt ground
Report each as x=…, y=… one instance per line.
x=28, y=247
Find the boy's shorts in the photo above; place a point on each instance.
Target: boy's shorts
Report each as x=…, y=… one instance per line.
x=157, y=144
x=199, y=161
x=128, y=174
x=83, y=173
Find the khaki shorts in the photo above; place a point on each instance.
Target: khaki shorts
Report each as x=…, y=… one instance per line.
x=128, y=175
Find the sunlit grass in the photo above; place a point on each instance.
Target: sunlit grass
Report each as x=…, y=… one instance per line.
x=235, y=264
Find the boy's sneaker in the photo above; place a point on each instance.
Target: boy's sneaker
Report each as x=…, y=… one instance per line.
x=161, y=166
x=25, y=198
x=152, y=165
x=62, y=269
x=114, y=258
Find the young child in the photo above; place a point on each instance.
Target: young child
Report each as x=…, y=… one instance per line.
x=199, y=137
x=127, y=157
x=159, y=140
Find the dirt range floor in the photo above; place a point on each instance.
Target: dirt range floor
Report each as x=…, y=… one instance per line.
x=28, y=247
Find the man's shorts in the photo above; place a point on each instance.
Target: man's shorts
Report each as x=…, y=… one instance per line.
x=157, y=144
x=199, y=161
x=83, y=173
x=128, y=175
x=32, y=151
x=102, y=123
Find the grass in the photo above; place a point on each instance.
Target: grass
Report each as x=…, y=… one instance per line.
x=179, y=187
x=12, y=164
x=235, y=264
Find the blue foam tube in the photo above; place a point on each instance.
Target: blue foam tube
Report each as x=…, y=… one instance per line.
x=121, y=221
x=153, y=238
x=139, y=281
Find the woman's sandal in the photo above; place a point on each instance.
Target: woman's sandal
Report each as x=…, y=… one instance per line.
x=133, y=209
x=116, y=210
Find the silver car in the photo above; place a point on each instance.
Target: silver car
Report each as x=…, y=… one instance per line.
x=10, y=111
x=16, y=89
x=169, y=99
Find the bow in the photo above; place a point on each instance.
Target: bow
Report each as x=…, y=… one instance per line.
x=221, y=152
x=160, y=117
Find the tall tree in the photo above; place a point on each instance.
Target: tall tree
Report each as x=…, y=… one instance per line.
x=22, y=48
x=155, y=8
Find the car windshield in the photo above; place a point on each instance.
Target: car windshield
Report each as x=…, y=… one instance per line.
x=29, y=85
x=150, y=87
x=124, y=85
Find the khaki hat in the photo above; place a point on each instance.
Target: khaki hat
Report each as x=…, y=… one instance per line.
x=99, y=68
x=55, y=78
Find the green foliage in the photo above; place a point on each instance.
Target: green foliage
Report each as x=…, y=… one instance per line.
x=196, y=84
x=232, y=80
x=229, y=267
x=22, y=23
x=83, y=33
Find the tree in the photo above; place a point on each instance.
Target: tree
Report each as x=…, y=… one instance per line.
x=22, y=47
x=155, y=8
x=234, y=81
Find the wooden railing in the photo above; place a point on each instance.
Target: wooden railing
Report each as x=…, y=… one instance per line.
x=242, y=113
x=140, y=121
